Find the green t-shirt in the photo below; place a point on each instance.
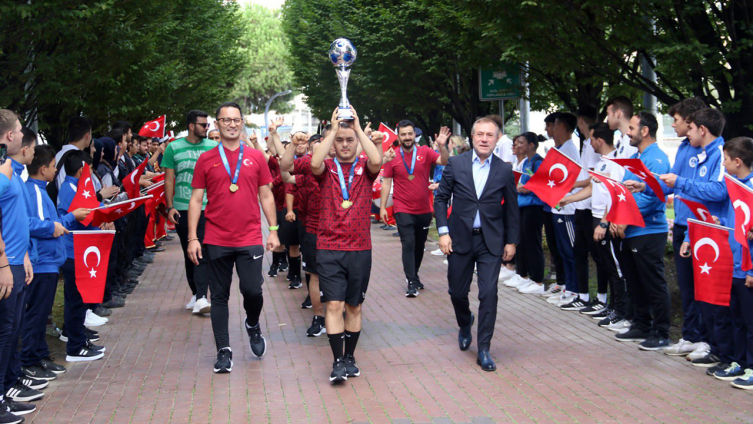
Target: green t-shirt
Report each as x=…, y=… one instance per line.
x=181, y=156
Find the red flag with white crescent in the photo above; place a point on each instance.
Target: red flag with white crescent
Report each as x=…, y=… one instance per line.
x=91, y=252
x=131, y=181
x=154, y=128
x=700, y=211
x=713, y=264
x=159, y=177
x=157, y=191
x=554, y=178
x=639, y=169
x=741, y=197
x=115, y=211
x=623, y=210
x=85, y=196
x=389, y=136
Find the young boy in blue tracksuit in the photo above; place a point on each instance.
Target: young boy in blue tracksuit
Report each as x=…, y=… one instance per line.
x=78, y=348
x=35, y=355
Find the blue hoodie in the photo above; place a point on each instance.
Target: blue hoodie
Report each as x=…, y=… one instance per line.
x=652, y=209
x=50, y=251
x=728, y=219
x=15, y=218
x=706, y=185
x=65, y=197
x=530, y=167
x=685, y=165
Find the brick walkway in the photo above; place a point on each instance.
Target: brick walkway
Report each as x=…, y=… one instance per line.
x=553, y=366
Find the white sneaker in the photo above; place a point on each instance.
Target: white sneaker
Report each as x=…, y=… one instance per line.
x=191, y=303
x=437, y=252
x=620, y=326
x=681, y=348
x=202, y=306
x=553, y=290
x=93, y=320
x=526, y=282
x=567, y=298
x=702, y=350
x=555, y=299
x=445, y=262
x=516, y=281
x=532, y=288
x=506, y=274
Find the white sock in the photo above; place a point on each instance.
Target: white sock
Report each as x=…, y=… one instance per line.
x=584, y=297
x=602, y=297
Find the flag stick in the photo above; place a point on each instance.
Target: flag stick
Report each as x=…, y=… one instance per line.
x=124, y=202
x=708, y=224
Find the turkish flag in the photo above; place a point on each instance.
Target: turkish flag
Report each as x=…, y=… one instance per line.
x=154, y=128
x=376, y=188
x=712, y=262
x=390, y=136
x=699, y=210
x=131, y=181
x=85, y=196
x=741, y=197
x=624, y=210
x=157, y=191
x=517, y=174
x=637, y=167
x=159, y=177
x=91, y=252
x=114, y=211
x=554, y=178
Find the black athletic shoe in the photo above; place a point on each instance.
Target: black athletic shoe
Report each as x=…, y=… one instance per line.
x=84, y=355
x=419, y=285
x=38, y=372
x=307, y=303
x=103, y=312
x=707, y=361
x=22, y=393
x=273, y=270
x=594, y=308
x=256, y=340
x=351, y=368
x=295, y=283
x=718, y=367
x=33, y=383
x=91, y=335
x=575, y=305
x=412, y=290
x=97, y=348
x=283, y=266
x=654, y=343
x=632, y=335
x=49, y=364
x=224, y=362
x=601, y=314
x=317, y=327
x=19, y=409
x=6, y=417
x=339, y=373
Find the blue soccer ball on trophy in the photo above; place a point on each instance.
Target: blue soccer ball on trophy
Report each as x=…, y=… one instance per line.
x=342, y=53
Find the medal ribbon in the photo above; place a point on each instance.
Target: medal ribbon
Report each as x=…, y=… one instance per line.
x=413, y=162
x=345, y=189
x=233, y=178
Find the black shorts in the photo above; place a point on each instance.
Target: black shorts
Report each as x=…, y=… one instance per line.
x=288, y=230
x=246, y=260
x=309, y=253
x=344, y=276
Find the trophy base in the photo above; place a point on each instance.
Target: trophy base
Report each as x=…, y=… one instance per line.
x=344, y=114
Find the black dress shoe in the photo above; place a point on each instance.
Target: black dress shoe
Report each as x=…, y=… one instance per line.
x=464, y=335
x=486, y=361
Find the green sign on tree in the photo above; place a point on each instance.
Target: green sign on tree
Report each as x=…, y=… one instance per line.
x=499, y=82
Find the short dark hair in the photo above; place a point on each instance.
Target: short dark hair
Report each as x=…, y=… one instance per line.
x=687, y=107
x=601, y=130
x=589, y=113
x=115, y=134
x=122, y=125
x=314, y=138
x=228, y=104
x=29, y=137
x=568, y=120
x=530, y=137
x=43, y=156
x=622, y=103
x=710, y=118
x=405, y=123
x=648, y=120
x=78, y=127
x=74, y=161
x=8, y=120
x=192, y=116
x=551, y=118
x=740, y=148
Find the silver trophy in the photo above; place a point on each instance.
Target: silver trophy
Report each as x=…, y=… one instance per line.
x=342, y=53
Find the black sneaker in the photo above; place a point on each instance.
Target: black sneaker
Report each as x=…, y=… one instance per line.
x=575, y=305
x=33, y=383
x=97, y=348
x=412, y=290
x=84, y=355
x=317, y=327
x=707, y=361
x=339, y=373
x=307, y=303
x=38, y=372
x=283, y=266
x=17, y=408
x=91, y=335
x=49, y=364
x=419, y=285
x=351, y=368
x=601, y=314
x=594, y=308
x=21, y=393
x=295, y=283
x=718, y=367
x=256, y=340
x=7, y=417
x=632, y=335
x=224, y=362
x=273, y=270
x=609, y=319
x=654, y=343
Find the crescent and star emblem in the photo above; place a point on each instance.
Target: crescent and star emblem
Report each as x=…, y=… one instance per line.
x=247, y=162
x=705, y=268
x=156, y=128
x=703, y=214
x=746, y=211
x=551, y=183
x=95, y=250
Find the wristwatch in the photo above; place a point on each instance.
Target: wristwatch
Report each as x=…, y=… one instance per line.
x=604, y=225
x=444, y=233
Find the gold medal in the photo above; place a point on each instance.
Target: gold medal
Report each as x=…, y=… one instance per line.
x=233, y=188
x=411, y=177
x=346, y=204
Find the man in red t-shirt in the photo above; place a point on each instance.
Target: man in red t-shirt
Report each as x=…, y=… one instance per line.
x=279, y=257
x=290, y=235
x=411, y=198
x=235, y=178
x=344, y=239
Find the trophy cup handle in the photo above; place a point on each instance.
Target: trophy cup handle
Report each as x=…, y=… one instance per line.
x=343, y=74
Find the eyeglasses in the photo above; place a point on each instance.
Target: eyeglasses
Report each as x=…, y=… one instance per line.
x=228, y=121
x=203, y=125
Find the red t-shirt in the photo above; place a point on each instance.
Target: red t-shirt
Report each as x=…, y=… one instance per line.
x=411, y=196
x=302, y=172
x=278, y=187
x=233, y=219
x=339, y=228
